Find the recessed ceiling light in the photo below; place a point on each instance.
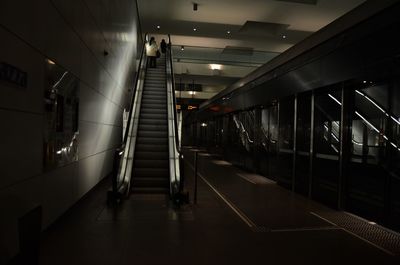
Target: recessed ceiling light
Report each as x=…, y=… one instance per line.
x=364, y=81
x=50, y=62
x=215, y=66
x=182, y=48
x=158, y=27
x=284, y=36
x=229, y=32
x=194, y=29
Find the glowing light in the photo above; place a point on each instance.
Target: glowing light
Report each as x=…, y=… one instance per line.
x=192, y=92
x=367, y=122
x=335, y=137
x=215, y=66
x=158, y=27
x=194, y=29
x=50, y=62
x=376, y=105
x=337, y=101
x=204, y=124
x=356, y=143
x=358, y=92
x=59, y=81
x=229, y=32
x=393, y=118
x=334, y=148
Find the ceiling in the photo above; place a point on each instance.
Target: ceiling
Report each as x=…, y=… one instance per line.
x=254, y=26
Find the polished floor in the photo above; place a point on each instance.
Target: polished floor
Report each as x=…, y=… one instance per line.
x=239, y=218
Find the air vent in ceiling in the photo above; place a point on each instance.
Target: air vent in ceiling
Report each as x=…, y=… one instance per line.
x=235, y=50
x=307, y=2
x=263, y=28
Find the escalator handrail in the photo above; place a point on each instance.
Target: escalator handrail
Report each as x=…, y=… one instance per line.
x=177, y=141
x=134, y=91
x=120, y=151
x=176, y=164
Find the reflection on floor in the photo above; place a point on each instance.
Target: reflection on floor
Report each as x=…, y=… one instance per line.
x=147, y=229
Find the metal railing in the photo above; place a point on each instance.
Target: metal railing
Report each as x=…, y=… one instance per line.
x=174, y=130
x=243, y=133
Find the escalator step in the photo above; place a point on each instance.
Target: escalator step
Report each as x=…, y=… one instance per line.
x=155, y=97
x=150, y=182
x=153, y=116
x=151, y=155
x=154, y=106
x=153, y=101
x=153, y=111
x=160, y=78
x=151, y=148
x=153, y=121
x=155, y=127
x=152, y=140
x=144, y=163
x=161, y=92
x=149, y=134
x=150, y=190
x=151, y=172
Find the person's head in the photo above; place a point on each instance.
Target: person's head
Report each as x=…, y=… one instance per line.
x=162, y=40
x=152, y=40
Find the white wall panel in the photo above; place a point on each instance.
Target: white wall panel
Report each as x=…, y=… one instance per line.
x=74, y=34
x=95, y=138
x=97, y=108
x=40, y=25
x=12, y=97
x=59, y=191
x=16, y=201
x=94, y=168
x=21, y=146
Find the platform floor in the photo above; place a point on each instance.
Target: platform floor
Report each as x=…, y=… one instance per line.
x=239, y=218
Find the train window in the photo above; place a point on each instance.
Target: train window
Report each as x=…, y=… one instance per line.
x=327, y=124
x=370, y=118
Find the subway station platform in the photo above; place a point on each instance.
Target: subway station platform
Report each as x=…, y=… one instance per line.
x=239, y=218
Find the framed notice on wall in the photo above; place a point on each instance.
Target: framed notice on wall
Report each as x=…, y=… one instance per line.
x=61, y=112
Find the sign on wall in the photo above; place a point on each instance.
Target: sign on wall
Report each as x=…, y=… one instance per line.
x=13, y=75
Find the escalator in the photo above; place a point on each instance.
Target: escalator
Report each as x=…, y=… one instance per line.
x=149, y=160
x=151, y=167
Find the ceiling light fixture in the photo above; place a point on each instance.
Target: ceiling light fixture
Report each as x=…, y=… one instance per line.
x=182, y=48
x=194, y=29
x=50, y=62
x=229, y=32
x=284, y=36
x=158, y=27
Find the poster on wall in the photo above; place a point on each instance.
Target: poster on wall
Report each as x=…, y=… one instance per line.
x=61, y=113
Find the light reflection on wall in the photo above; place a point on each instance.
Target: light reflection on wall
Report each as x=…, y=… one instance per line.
x=106, y=136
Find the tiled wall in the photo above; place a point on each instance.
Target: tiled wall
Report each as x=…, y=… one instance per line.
x=73, y=34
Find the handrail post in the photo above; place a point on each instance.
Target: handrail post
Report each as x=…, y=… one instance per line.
x=195, y=178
